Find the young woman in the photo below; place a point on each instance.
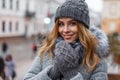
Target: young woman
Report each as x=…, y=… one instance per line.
x=73, y=50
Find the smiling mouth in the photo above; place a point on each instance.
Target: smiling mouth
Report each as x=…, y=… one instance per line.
x=68, y=37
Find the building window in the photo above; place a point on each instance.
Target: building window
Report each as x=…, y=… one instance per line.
x=17, y=25
x=3, y=26
x=10, y=26
x=17, y=4
x=3, y=3
x=11, y=5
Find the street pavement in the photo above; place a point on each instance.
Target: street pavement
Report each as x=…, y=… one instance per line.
x=22, y=68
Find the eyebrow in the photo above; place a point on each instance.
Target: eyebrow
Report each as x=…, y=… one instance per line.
x=67, y=21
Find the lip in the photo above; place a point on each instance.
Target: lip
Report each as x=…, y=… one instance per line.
x=67, y=36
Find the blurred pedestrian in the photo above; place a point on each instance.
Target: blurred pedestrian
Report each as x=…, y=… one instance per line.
x=72, y=50
x=2, y=69
x=34, y=49
x=4, y=49
x=10, y=67
x=114, y=39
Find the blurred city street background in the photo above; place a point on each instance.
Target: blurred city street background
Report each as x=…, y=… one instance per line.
x=20, y=49
x=25, y=23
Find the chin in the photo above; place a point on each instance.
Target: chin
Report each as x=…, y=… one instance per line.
x=69, y=41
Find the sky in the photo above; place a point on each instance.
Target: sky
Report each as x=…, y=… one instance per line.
x=95, y=5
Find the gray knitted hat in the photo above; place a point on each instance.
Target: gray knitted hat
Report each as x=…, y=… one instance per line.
x=75, y=9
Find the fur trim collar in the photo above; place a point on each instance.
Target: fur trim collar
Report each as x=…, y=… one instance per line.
x=103, y=47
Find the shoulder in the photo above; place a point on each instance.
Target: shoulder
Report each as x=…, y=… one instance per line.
x=38, y=58
x=101, y=67
x=38, y=64
x=102, y=48
x=100, y=73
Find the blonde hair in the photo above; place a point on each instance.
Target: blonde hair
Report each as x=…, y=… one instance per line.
x=48, y=43
x=89, y=42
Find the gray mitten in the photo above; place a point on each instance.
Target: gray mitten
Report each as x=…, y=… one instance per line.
x=67, y=59
x=54, y=73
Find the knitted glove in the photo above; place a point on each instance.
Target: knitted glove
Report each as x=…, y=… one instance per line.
x=67, y=59
x=54, y=73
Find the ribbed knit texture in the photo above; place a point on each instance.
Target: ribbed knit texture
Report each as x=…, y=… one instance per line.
x=54, y=73
x=75, y=9
x=70, y=72
x=67, y=57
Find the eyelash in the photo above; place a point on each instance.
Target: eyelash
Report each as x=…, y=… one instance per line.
x=71, y=23
x=60, y=24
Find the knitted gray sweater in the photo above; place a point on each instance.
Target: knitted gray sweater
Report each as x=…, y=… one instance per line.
x=39, y=69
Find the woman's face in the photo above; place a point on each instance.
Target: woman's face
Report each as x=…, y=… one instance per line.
x=68, y=29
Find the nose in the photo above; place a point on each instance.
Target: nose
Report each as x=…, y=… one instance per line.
x=66, y=28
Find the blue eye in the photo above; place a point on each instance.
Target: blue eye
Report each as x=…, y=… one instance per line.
x=60, y=24
x=73, y=23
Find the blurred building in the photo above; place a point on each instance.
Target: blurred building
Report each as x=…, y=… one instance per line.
x=110, y=15
x=31, y=17
x=44, y=10
x=26, y=17
x=95, y=18
x=12, y=17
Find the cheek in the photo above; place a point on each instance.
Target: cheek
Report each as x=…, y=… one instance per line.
x=59, y=30
x=76, y=36
x=75, y=33
x=75, y=30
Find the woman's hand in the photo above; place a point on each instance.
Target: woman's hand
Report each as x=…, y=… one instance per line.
x=54, y=73
x=67, y=58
